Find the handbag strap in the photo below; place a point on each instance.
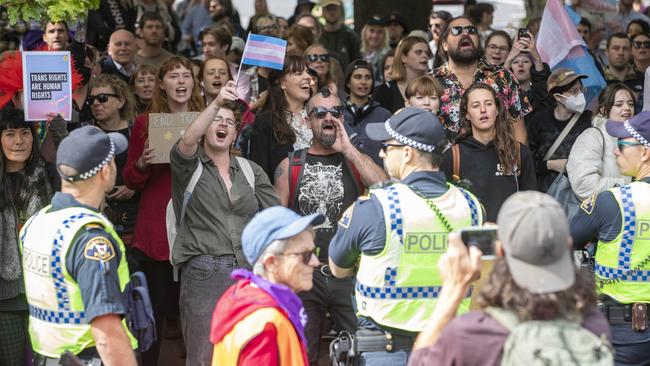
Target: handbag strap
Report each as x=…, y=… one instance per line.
x=562, y=136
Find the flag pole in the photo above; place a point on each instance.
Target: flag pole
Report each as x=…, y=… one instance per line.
x=241, y=62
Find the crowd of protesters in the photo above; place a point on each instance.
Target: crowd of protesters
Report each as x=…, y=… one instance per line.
x=494, y=119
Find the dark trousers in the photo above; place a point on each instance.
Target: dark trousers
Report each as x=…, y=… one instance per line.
x=13, y=337
x=329, y=294
x=203, y=280
x=164, y=294
x=632, y=348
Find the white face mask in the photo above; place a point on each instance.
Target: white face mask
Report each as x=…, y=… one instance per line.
x=575, y=103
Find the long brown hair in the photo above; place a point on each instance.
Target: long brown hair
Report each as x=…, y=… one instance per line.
x=159, y=103
x=504, y=138
x=501, y=291
x=277, y=103
x=608, y=96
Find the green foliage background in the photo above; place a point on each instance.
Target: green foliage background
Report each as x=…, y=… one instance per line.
x=54, y=10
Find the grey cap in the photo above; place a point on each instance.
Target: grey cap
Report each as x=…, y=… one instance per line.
x=410, y=126
x=534, y=232
x=87, y=149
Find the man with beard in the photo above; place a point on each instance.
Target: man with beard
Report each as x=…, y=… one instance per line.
x=392, y=239
x=465, y=67
x=153, y=35
x=326, y=178
x=337, y=38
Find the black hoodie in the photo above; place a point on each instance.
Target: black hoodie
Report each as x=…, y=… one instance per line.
x=479, y=164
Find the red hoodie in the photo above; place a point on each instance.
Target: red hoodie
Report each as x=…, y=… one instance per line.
x=238, y=302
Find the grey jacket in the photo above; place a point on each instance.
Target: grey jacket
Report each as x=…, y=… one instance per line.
x=592, y=165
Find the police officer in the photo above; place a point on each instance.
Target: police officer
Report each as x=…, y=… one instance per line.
x=397, y=234
x=74, y=263
x=619, y=221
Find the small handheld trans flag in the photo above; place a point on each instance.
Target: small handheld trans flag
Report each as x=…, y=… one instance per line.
x=263, y=51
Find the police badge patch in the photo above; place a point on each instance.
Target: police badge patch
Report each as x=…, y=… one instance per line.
x=99, y=249
x=347, y=217
x=588, y=205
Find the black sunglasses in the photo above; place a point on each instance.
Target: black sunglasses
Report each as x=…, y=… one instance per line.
x=321, y=112
x=457, y=30
x=313, y=58
x=641, y=44
x=386, y=145
x=101, y=98
x=306, y=256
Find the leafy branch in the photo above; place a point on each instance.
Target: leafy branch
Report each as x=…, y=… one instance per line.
x=54, y=10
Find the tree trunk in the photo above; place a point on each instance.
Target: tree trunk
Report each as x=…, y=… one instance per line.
x=415, y=12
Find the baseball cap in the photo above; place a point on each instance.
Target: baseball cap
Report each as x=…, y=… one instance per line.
x=637, y=127
x=376, y=20
x=562, y=77
x=273, y=223
x=325, y=3
x=534, y=232
x=410, y=126
x=396, y=17
x=87, y=149
x=355, y=65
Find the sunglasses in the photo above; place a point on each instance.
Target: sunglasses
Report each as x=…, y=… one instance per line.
x=386, y=145
x=313, y=58
x=101, y=98
x=267, y=28
x=641, y=44
x=306, y=256
x=457, y=30
x=321, y=112
x=622, y=144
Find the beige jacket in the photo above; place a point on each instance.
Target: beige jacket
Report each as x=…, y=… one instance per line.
x=592, y=165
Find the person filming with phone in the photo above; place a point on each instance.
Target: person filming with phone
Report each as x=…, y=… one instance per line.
x=393, y=238
x=535, y=308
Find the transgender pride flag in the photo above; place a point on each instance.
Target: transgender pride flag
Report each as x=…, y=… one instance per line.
x=264, y=51
x=560, y=45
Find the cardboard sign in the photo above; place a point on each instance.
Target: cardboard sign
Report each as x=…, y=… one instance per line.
x=164, y=131
x=47, y=84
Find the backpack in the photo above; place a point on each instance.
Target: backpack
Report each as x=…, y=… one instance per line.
x=174, y=223
x=296, y=166
x=139, y=313
x=550, y=342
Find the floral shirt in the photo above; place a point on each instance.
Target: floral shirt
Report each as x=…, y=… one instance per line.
x=303, y=132
x=500, y=79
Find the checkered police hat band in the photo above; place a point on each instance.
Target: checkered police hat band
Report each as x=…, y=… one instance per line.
x=92, y=172
x=407, y=141
x=636, y=134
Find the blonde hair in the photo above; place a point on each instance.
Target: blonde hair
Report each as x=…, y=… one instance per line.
x=127, y=112
x=331, y=65
x=398, y=70
x=364, y=43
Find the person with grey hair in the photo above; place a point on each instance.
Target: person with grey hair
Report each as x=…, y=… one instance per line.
x=259, y=319
x=533, y=290
x=326, y=178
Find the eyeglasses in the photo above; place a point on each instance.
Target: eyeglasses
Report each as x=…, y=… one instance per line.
x=575, y=91
x=321, y=112
x=493, y=47
x=386, y=145
x=101, y=98
x=622, y=144
x=457, y=30
x=641, y=44
x=229, y=121
x=313, y=58
x=306, y=256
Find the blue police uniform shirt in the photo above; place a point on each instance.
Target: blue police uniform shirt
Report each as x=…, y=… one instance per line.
x=599, y=218
x=97, y=279
x=364, y=229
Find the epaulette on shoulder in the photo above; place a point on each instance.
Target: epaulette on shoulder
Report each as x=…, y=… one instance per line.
x=384, y=184
x=93, y=226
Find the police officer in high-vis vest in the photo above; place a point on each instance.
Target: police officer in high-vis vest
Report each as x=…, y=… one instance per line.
x=618, y=220
x=74, y=263
x=393, y=238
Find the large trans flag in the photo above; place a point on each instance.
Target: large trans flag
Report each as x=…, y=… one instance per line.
x=560, y=45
